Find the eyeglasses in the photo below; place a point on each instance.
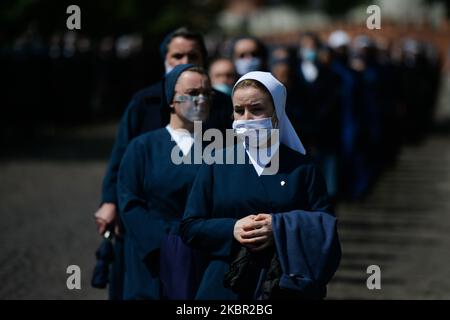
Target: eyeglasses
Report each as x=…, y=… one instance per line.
x=195, y=99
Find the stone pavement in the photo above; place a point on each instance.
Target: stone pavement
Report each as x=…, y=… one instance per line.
x=403, y=227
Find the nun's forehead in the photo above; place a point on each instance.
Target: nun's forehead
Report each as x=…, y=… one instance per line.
x=275, y=88
x=251, y=83
x=254, y=84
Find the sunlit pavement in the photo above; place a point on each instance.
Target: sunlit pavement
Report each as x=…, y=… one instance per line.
x=403, y=227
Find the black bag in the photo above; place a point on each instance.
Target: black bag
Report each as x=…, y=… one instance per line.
x=245, y=271
x=105, y=256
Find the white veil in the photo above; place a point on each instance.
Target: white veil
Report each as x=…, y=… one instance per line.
x=288, y=136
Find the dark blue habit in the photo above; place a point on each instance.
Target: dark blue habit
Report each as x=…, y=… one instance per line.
x=152, y=195
x=304, y=225
x=144, y=113
x=147, y=112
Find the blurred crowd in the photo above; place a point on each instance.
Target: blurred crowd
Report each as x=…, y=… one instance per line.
x=70, y=77
x=354, y=101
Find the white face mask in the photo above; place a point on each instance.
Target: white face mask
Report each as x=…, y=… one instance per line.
x=193, y=112
x=245, y=65
x=257, y=131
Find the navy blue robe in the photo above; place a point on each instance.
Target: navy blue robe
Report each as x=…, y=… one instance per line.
x=143, y=114
x=152, y=195
x=146, y=112
x=222, y=194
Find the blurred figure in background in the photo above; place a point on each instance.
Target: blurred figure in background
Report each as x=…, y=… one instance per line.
x=316, y=109
x=368, y=108
x=390, y=101
x=282, y=65
x=222, y=74
x=442, y=116
x=249, y=54
x=353, y=180
x=420, y=80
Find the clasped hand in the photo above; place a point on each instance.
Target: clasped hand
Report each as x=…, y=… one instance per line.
x=254, y=231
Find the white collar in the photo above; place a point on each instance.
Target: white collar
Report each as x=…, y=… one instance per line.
x=183, y=138
x=259, y=157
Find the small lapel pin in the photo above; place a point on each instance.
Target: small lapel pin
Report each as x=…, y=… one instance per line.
x=282, y=183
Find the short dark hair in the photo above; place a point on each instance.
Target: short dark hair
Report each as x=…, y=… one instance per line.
x=309, y=34
x=261, y=47
x=218, y=58
x=186, y=33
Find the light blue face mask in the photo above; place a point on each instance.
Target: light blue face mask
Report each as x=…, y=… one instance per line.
x=245, y=65
x=308, y=54
x=224, y=88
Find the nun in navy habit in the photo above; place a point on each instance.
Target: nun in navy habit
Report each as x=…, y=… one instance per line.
x=153, y=189
x=267, y=226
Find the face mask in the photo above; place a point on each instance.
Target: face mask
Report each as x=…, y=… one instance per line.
x=168, y=67
x=193, y=112
x=308, y=54
x=257, y=131
x=224, y=88
x=309, y=71
x=245, y=65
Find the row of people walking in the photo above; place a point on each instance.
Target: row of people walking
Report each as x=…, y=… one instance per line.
x=267, y=236
x=214, y=231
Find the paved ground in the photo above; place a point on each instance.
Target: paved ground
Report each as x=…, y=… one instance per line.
x=403, y=227
x=49, y=193
x=47, y=200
